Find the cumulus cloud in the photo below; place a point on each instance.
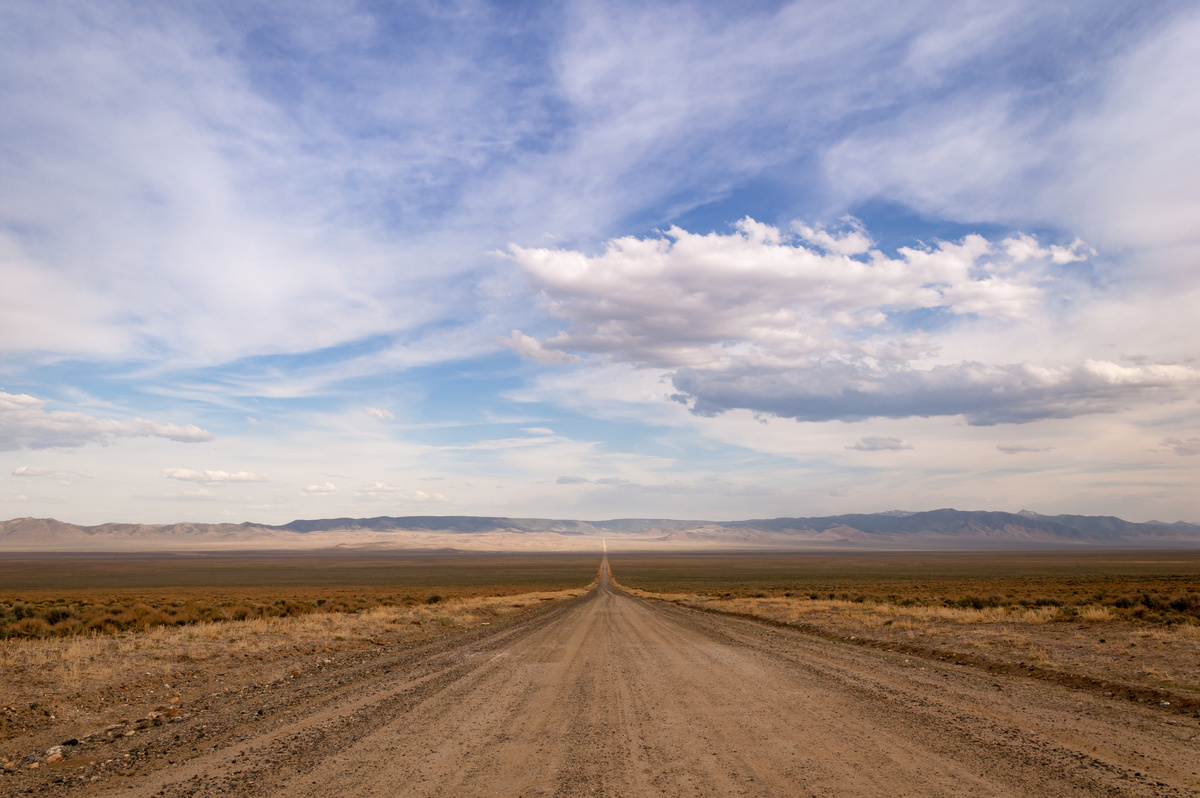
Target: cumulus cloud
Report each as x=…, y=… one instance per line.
x=685, y=299
x=1184, y=448
x=213, y=478
x=26, y=424
x=876, y=444
x=855, y=241
x=1022, y=248
x=378, y=412
x=328, y=487
x=818, y=326
x=377, y=487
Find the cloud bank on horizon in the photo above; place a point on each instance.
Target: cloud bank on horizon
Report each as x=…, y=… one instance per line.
x=596, y=259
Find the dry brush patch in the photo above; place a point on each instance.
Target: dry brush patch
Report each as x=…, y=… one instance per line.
x=42, y=614
x=56, y=595
x=75, y=685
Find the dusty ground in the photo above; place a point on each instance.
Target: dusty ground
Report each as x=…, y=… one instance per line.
x=1089, y=649
x=609, y=694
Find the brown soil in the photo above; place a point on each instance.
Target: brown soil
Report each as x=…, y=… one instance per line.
x=609, y=694
x=1136, y=660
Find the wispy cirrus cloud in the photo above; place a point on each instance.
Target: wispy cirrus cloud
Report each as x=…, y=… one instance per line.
x=235, y=212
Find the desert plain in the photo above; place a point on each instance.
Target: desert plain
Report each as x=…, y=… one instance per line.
x=632, y=673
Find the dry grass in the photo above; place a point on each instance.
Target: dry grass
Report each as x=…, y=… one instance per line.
x=56, y=686
x=96, y=657
x=81, y=613
x=1152, y=587
x=67, y=595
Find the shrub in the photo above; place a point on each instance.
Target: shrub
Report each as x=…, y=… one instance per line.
x=1153, y=601
x=29, y=626
x=56, y=615
x=1185, y=603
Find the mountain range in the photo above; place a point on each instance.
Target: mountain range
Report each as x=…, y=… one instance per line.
x=933, y=530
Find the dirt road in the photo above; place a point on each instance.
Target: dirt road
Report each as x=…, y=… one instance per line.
x=614, y=695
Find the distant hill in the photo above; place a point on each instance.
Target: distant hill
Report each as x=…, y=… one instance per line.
x=936, y=529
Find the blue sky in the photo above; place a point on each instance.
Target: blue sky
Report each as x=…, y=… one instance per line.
x=598, y=260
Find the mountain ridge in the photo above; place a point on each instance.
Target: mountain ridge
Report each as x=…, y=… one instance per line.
x=945, y=528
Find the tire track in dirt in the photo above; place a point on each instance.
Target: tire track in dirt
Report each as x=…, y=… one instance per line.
x=614, y=695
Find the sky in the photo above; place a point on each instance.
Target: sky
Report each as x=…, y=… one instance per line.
x=598, y=260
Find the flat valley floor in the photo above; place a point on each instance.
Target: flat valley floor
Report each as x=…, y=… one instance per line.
x=609, y=694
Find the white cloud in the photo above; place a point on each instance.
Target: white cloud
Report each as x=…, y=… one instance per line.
x=26, y=424
x=377, y=487
x=1022, y=248
x=376, y=412
x=39, y=471
x=328, y=487
x=854, y=241
x=383, y=489
x=213, y=478
x=571, y=480
x=177, y=194
x=872, y=443
x=172, y=208
x=1113, y=157
x=754, y=320
x=532, y=349
x=753, y=295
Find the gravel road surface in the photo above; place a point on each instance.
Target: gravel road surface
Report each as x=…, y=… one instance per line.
x=614, y=695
